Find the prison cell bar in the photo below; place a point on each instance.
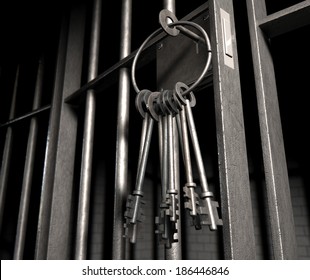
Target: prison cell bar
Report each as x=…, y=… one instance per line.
x=26, y=116
x=88, y=139
x=51, y=147
x=169, y=5
x=61, y=220
x=6, y=158
x=238, y=229
x=28, y=169
x=277, y=183
x=121, y=167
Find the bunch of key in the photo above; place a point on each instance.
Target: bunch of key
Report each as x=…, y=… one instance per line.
x=170, y=109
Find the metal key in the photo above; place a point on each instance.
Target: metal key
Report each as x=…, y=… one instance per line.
x=191, y=197
x=166, y=221
x=134, y=213
x=162, y=220
x=208, y=210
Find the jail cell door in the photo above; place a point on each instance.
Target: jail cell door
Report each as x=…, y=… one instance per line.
x=178, y=95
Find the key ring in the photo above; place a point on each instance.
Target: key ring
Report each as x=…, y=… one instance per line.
x=155, y=33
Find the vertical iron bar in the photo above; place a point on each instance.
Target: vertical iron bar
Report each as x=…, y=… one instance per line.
x=169, y=5
x=28, y=169
x=60, y=229
x=51, y=147
x=277, y=183
x=6, y=158
x=88, y=139
x=238, y=229
x=121, y=166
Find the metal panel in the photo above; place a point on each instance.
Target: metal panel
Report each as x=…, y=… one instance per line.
x=88, y=138
x=238, y=230
x=174, y=53
x=60, y=233
x=121, y=168
x=278, y=191
x=51, y=147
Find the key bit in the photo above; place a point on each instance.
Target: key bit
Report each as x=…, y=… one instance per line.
x=160, y=222
x=173, y=206
x=134, y=214
x=166, y=229
x=205, y=215
x=191, y=202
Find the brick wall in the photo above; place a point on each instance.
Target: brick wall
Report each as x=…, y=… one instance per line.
x=301, y=217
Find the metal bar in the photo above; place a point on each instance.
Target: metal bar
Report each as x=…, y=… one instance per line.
x=286, y=20
x=169, y=5
x=51, y=147
x=88, y=138
x=278, y=192
x=28, y=169
x=121, y=166
x=6, y=158
x=108, y=77
x=60, y=231
x=26, y=116
x=238, y=229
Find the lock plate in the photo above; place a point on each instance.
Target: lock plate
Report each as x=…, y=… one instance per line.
x=180, y=59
